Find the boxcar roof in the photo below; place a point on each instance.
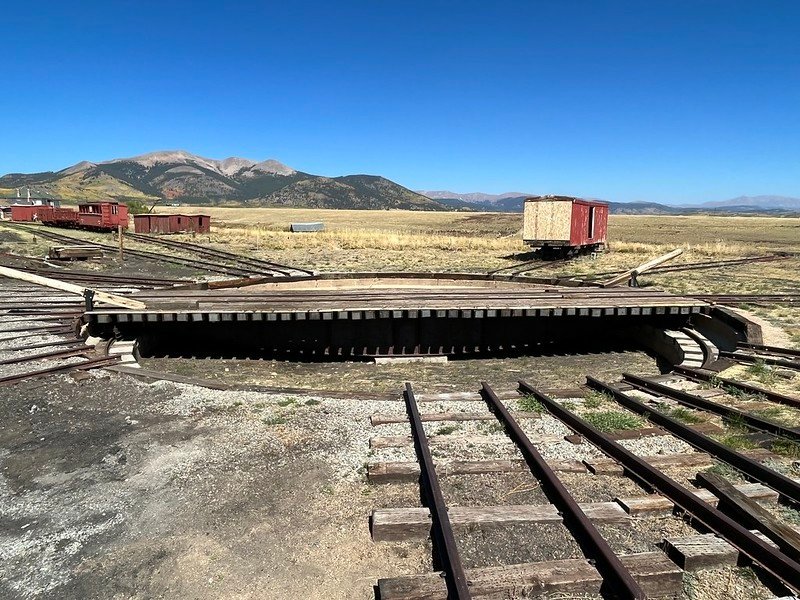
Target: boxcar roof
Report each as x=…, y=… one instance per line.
x=566, y=198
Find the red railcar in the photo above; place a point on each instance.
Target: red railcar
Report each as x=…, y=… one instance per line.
x=564, y=225
x=102, y=215
x=59, y=217
x=158, y=223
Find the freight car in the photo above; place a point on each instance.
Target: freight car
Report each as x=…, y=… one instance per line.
x=159, y=223
x=561, y=226
x=99, y=216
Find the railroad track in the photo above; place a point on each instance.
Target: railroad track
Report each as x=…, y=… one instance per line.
x=258, y=265
x=734, y=299
x=202, y=265
x=696, y=266
x=527, y=266
x=599, y=566
x=37, y=340
x=754, y=354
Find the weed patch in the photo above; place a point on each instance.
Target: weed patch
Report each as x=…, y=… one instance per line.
x=761, y=371
x=594, y=399
x=275, y=420
x=684, y=415
x=787, y=448
x=612, y=420
x=530, y=404
x=736, y=441
x=447, y=429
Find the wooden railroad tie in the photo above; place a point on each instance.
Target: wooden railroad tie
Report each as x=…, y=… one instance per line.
x=399, y=524
x=657, y=575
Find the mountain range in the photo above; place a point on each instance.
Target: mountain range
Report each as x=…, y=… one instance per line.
x=514, y=202
x=178, y=176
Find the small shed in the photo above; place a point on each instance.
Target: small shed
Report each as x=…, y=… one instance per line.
x=161, y=223
x=306, y=227
x=564, y=222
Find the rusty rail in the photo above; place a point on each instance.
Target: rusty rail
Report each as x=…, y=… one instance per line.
x=619, y=579
x=702, y=376
x=786, y=486
x=769, y=558
x=726, y=412
x=456, y=578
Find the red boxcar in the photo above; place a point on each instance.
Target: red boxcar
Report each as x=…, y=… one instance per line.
x=103, y=215
x=565, y=225
x=156, y=223
x=59, y=217
x=24, y=212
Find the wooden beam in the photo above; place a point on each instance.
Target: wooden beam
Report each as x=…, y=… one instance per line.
x=657, y=575
x=399, y=441
x=389, y=472
x=378, y=419
x=732, y=500
x=397, y=524
x=705, y=551
x=641, y=268
x=105, y=297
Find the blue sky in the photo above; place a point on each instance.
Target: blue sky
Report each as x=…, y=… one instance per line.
x=676, y=100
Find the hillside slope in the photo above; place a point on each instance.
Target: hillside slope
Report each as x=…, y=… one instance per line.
x=178, y=176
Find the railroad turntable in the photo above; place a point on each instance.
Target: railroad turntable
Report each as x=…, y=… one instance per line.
x=350, y=315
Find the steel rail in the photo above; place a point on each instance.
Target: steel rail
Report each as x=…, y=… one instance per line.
x=772, y=349
x=621, y=583
x=91, y=363
x=215, y=252
x=726, y=412
x=43, y=345
x=35, y=328
x=701, y=376
x=456, y=578
x=770, y=558
x=699, y=265
x=767, y=360
x=46, y=355
x=66, y=329
x=786, y=486
x=186, y=262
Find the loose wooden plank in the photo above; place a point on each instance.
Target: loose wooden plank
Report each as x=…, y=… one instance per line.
x=463, y=396
x=633, y=434
x=395, y=524
x=608, y=466
x=379, y=419
x=659, y=505
x=113, y=299
x=655, y=573
x=399, y=441
x=388, y=472
x=705, y=551
x=735, y=502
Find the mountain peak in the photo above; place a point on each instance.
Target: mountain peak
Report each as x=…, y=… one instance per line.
x=181, y=176
x=229, y=166
x=84, y=165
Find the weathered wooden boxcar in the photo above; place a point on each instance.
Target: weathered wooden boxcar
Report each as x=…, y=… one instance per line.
x=103, y=215
x=561, y=225
x=59, y=217
x=155, y=223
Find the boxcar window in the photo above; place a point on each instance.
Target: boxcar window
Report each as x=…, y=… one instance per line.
x=591, y=222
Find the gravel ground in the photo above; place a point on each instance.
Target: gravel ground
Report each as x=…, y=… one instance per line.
x=112, y=488
x=510, y=544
